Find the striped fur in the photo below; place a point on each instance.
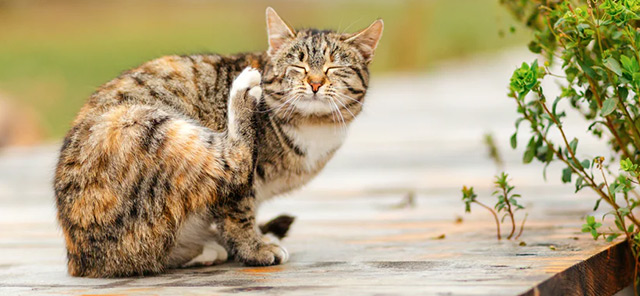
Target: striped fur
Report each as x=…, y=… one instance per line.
x=161, y=153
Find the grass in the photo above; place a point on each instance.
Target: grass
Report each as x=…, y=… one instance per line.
x=53, y=54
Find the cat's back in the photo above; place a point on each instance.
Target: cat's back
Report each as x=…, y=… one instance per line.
x=195, y=86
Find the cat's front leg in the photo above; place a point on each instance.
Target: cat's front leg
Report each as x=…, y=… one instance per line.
x=236, y=213
x=244, y=243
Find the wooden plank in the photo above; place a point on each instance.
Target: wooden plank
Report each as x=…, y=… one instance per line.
x=604, y=273
x=341, y=243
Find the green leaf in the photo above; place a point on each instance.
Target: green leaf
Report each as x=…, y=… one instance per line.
x=619, y=225
x=579, y=182
x=597, y=204
x=626, y=165
x=623, y=92
x=585, y=163
x=608, y=106
x=624, y=211
x=566, y=175
x=613, y=188
x=587, y=69
x=611, y=237
x=554, y=107
x=514, y=140
x=528, y=156
x=591, y=220
x=574, y=144
x=627, y=63
x=613, y=65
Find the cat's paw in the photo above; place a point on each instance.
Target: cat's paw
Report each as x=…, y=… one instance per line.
x=248, y=80
x=212, y=254
x=266, y=254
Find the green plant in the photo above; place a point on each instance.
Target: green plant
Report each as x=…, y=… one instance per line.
x=507, y=204
x=597, y=46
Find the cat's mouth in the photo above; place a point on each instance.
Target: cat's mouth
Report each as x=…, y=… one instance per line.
x=316, y=96
x=311, y=97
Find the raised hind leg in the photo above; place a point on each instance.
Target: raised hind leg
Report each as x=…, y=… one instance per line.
x=235, y=215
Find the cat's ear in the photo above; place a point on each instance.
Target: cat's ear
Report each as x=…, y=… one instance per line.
x=279, y=32
x=366, y=40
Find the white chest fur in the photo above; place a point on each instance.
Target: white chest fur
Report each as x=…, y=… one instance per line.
x=317, y=141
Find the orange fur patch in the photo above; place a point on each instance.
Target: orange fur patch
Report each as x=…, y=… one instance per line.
x=94, y=205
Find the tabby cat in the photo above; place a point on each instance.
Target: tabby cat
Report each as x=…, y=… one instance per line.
x=166, y=165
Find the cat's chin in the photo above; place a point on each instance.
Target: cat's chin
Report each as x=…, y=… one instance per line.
x=314, y=105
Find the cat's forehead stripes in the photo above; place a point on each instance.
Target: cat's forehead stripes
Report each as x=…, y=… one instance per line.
x=315, y=47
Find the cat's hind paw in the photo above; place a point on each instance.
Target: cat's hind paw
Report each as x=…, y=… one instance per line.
x=212, y=254
x=248, y=80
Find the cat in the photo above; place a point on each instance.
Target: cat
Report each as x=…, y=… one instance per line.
x=169, y=161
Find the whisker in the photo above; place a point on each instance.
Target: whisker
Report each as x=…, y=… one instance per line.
x=290, y=103
x=290, y=106
x=342, y=96
x=291, y=93
x=335, y=119
x=344, y=124
x=293, y=108
x=333, y=115
x=292, y=96
x=340, y=87
x=345, y=107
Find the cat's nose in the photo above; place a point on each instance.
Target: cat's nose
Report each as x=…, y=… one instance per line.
x=315, y=85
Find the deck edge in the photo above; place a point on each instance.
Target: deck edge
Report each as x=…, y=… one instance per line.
x=593, y=276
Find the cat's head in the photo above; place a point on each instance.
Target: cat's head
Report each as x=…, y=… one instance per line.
x=320, y=74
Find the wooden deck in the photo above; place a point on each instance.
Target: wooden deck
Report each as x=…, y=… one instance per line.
x=354, y=234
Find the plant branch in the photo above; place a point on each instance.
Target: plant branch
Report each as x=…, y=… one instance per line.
x=522, y=225
x=606, y=184
x=509, y=212
x=559, y=155
x=495, y=216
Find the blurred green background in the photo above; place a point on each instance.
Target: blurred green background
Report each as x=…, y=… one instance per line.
x=53, y=54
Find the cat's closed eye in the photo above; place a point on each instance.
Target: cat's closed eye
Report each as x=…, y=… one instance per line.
x=330, y=70
x=299, y=68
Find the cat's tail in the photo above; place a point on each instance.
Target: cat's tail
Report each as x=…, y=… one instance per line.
x=278, y=226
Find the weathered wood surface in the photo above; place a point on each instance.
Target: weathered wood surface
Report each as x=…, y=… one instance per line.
x=607, y=271
x=351, y=237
